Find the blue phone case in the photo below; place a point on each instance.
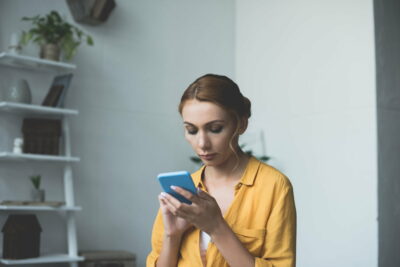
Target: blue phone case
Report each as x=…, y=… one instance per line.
x=181, y=179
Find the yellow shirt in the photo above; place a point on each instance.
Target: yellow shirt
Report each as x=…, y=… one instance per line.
x=262, y=215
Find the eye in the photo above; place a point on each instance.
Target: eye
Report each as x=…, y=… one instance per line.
x=191, y=131
x=216, y=129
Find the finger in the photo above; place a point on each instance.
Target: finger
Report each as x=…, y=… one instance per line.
x=163, y=204
x=168, y=204
x=202, y=194
x=185, y=193
x=174, y=204
x=176, y=207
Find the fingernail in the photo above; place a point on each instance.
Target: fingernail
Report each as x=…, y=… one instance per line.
x=163, y=194
x=173, y=187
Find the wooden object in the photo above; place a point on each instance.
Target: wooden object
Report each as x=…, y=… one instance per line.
x=53, y=95
x=56, y=95
x=91, y=12
x=41, y=136
x=21, y=238
x=104, y=258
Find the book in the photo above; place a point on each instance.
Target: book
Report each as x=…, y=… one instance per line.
x=53, y=95
x=58, y=90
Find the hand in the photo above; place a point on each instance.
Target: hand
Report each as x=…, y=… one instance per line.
x=173, y=225
x=204, y=212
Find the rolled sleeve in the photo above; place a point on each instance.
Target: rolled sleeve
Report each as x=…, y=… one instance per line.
x=156, y=241
x=280, y=242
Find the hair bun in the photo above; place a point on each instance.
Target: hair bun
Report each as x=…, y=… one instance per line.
x=246, y=107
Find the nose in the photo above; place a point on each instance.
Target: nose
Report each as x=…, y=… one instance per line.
x=203, y=141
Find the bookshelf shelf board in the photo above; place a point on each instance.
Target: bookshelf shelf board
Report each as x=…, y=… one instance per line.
x=44, y=259
x=35, y=157
x=29, y=109
x=38, y=208
x=33, y=63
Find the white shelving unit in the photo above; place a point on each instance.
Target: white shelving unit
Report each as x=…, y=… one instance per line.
x=33, y=63
x=56, y=258
x=39, y=208
x=36, y=64
x=36, y=157
x=36, y=109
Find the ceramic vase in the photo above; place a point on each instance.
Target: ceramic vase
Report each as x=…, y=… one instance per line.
x=38, y=195
x=19, y=92
x=50, y=51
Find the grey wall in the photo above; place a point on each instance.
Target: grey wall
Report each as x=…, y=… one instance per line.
x=126, y=88
x=309, y=68
x=387, y=41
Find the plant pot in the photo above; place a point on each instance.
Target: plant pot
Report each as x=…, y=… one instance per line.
x=19, y=92
x=50, y=51
x=38, y=195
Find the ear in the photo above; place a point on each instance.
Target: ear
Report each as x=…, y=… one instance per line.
x=243, y=125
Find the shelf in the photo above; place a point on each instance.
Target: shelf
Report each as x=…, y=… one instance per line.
x=39, y=208
x=33, y=63
x=44, y=259
x=35, y=109
x=35, y=157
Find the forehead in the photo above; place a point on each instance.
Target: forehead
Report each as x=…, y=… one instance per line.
x=200, y=112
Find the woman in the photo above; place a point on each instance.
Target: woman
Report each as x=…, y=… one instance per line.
x=244, y=212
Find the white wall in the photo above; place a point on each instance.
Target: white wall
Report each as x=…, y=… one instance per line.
x=127, y=88
x=309, y=68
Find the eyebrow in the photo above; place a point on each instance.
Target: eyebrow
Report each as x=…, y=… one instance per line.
x=210, y=122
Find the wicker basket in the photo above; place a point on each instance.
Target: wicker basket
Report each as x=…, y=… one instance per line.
x=41, y=136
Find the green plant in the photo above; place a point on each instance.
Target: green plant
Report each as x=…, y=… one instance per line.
x=263, y=158
x=52, y=29
x=36, y=181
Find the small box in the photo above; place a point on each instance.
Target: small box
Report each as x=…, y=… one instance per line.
x=107, y=258
x=41, y=136
x=21, y=237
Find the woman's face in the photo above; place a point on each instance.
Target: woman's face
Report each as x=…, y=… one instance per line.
x=208, y=129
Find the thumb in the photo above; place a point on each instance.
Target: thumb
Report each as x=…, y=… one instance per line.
x=202, y=194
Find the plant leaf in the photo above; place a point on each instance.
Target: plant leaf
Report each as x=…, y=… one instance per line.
x=195, y=159
x=89, y=40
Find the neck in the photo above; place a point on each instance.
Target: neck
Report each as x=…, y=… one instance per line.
x=231, y=169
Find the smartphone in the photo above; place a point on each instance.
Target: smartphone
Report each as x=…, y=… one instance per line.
x=181, y=179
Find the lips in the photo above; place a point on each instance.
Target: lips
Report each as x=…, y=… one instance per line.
x=208, y=156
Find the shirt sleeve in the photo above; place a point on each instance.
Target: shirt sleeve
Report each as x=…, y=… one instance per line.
x=280, y=240
x=156, y=241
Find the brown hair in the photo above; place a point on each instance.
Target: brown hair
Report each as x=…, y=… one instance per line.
x=223, y=92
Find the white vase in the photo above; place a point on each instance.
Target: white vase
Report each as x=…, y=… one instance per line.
x=19, y=92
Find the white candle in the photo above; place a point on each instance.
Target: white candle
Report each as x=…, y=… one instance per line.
x=14, y=39
x=14, y=44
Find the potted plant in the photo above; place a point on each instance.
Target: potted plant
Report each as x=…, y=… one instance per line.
x=54, y=35
x=37, y=193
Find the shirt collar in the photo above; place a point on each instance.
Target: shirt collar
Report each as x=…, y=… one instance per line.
x=248, y=176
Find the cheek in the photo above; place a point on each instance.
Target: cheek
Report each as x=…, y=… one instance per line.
x=222, y=142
